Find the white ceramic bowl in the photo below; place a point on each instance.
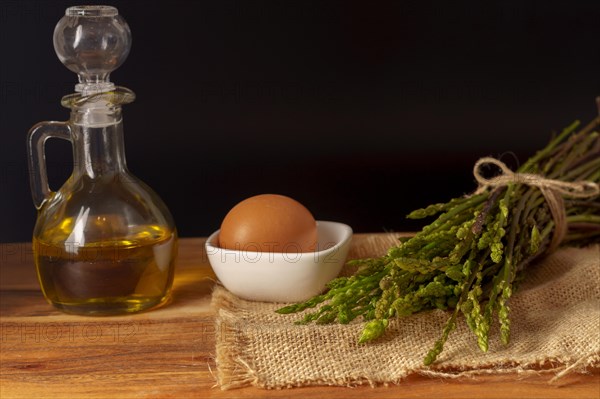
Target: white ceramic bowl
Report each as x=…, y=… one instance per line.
x=282, y=277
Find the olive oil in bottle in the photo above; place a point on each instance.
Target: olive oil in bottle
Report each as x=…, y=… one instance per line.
x=104, y=242
x=108, y=276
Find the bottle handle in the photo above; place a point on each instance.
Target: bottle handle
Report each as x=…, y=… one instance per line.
x=36, y=140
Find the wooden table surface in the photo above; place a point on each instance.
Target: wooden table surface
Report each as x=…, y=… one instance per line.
x=169, y=352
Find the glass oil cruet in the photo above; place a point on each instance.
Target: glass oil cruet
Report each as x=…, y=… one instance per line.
x=104, y=243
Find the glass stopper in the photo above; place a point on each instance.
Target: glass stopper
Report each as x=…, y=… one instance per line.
x=92, y=41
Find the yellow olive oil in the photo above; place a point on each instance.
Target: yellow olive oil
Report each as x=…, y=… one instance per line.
x=107, y=276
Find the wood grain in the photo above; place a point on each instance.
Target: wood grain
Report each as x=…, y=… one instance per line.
x=169, y=352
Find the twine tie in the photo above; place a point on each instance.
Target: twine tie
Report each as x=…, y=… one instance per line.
x=553, y=190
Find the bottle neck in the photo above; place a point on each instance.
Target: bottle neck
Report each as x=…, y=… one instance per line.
x=98, y=147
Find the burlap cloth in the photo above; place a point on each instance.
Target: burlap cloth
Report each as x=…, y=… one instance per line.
x=555, y=328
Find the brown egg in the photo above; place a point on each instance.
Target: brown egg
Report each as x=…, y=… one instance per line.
x=269, y=223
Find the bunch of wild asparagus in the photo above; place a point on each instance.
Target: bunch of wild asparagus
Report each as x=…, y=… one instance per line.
x=471, y=256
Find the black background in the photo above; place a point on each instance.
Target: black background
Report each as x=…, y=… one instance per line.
x=360, y=110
